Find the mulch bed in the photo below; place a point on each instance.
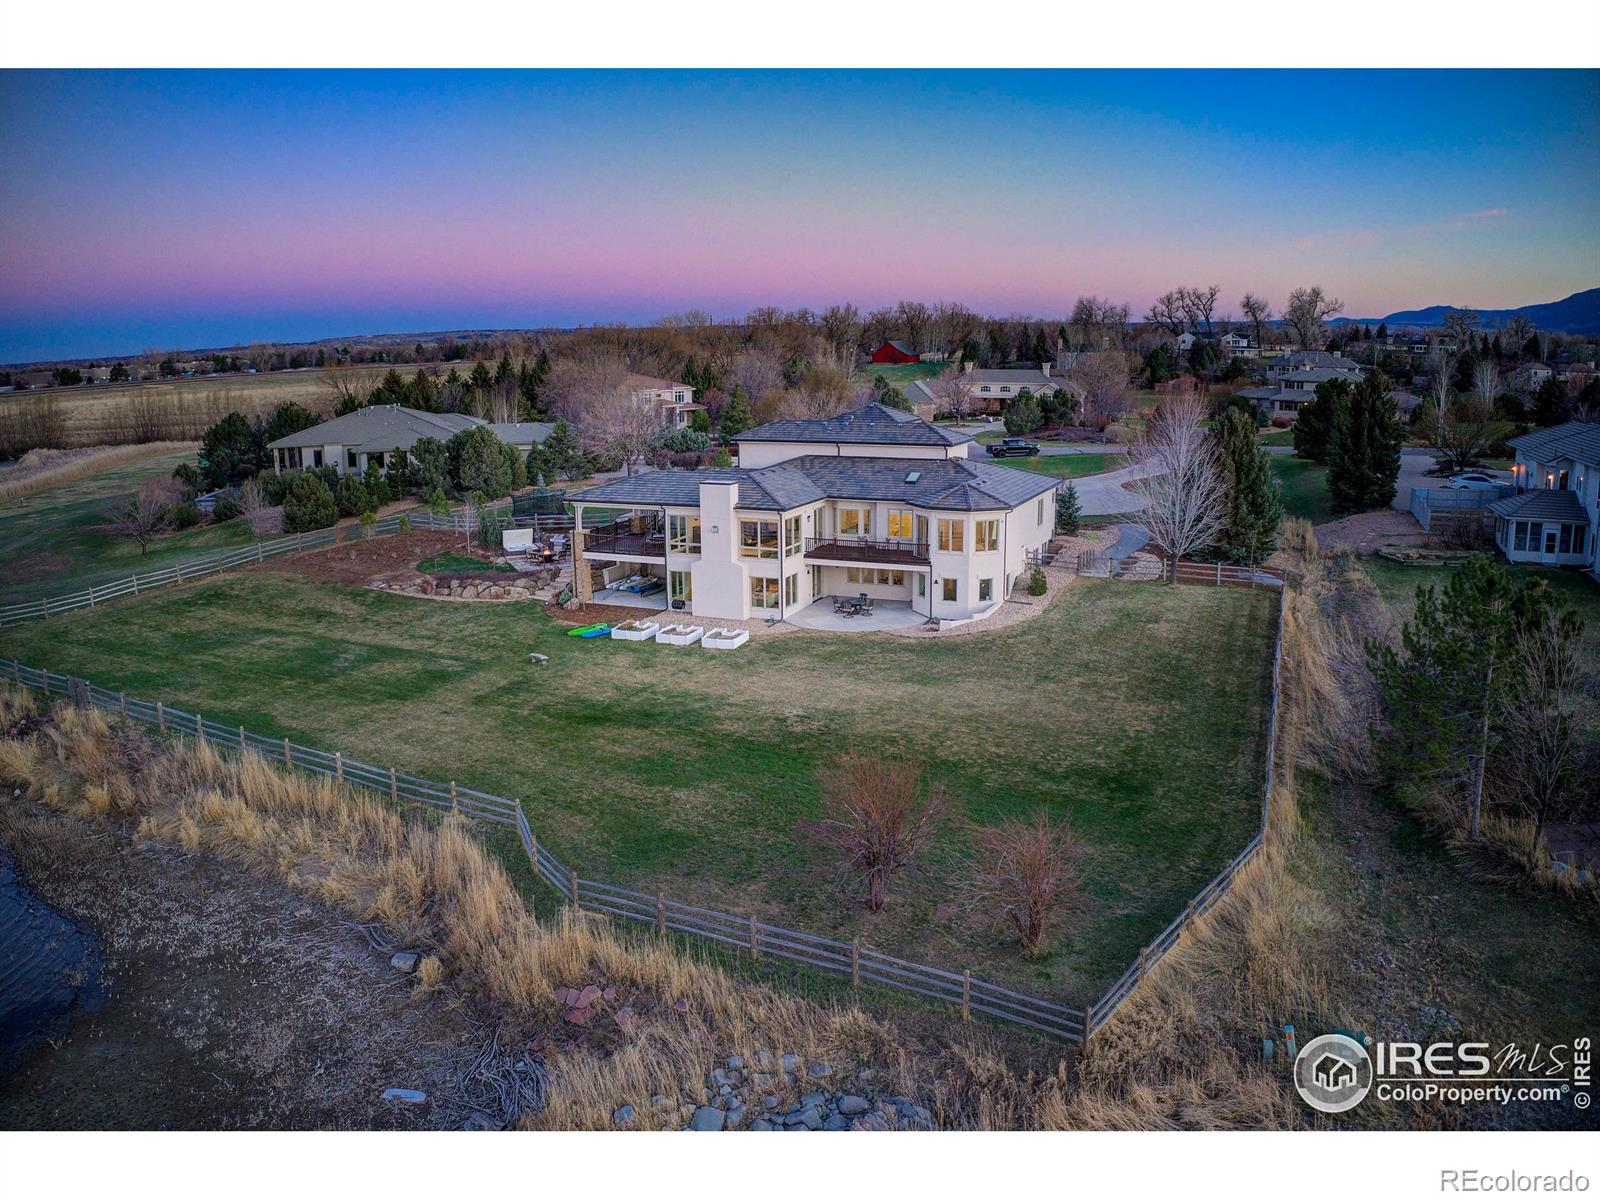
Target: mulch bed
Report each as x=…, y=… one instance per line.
x=361, y=562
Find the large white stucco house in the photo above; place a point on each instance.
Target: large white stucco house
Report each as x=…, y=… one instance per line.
x=674, y=401
x=873, y=501
x=1555, y=516
x=372, y=434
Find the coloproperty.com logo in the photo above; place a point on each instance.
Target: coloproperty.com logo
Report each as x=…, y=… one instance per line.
x=1335, y=1072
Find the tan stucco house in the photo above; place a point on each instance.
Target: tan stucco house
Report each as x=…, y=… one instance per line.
x=873, y=501
x=372, y=434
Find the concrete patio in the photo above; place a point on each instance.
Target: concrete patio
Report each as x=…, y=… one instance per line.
x=886, y=614
x=623, y=599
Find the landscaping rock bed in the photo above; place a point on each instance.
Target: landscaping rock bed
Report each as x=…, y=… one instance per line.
x=744, y=1096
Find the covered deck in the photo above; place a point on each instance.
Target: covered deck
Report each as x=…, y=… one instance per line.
x=851, y=551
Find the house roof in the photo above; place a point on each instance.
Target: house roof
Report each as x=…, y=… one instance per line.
x=1578, y=440
x=1300, y=359
x=949, y=484
x=870, y=425
x=651, y=383
x=1038, y=375
x=898, y=345
x=379, y=427
x=517, y=433
x=1543, y=504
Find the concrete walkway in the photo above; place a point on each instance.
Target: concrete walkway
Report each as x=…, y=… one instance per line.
x=1102, y=495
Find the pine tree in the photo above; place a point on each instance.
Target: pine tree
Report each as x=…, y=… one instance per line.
x=1316, y=421
x=1069, y=512
x=560, y=454
x=736, y=416
x=1254, y=507
x=1550, y=403
x=1022, y=414
x=1364, y=451
x=1041, y=347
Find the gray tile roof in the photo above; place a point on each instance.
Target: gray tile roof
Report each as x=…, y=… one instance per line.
x=1297, y=360
x=379, y=427
x=872, y=424
x=522, y=433
x=1035, y=377
x=1543, y=504
x=954, y=484
x=1578, y=440
x=903, y=347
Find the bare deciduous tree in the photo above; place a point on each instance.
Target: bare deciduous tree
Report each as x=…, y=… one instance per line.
x=1457, y=325
x=1183, y=486
x=146, y=515
x=1307, y=310
x=1026, y=873
x=262, y=518
x=1463, y=431
x=955, y=398
x=878, y=814
x=1514, y=335
x=1486, y=381
x=1197, y=304
x=1547, y=720
x=1258, y=311
x=1167, y=313
x=1104, y=377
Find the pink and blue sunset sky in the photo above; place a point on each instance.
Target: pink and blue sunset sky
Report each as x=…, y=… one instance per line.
x=209, y=208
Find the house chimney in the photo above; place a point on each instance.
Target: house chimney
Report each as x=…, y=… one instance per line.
x=966, y=366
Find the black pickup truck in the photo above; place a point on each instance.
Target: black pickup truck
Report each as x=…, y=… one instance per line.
x=1012, y=448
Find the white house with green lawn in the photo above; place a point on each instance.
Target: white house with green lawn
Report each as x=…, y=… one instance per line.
x=1553, y=517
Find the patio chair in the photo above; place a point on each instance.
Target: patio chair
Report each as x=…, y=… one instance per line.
x=841, y=605
x=866, y=605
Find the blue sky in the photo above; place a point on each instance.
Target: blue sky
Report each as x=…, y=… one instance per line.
x=186, y=208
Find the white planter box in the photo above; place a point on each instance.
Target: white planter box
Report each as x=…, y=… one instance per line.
x=635, y=631
x=679, y=635
x=725, y=639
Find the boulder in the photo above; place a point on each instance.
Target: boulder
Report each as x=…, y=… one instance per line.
x=404, y=961
x=480, y=1122
x=852, y=1106
x=623, y=1115
x=707, y=1119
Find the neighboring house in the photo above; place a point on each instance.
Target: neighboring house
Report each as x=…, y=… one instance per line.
x=1528, y=378
x=873, y=501
x=1553, y=518
x=1239, y=346
x=1312, y=360
x=674, y=400
x=1292, y=380
x=1187, y=340
x=894, y=351
x=373, y=433
x=988, y=390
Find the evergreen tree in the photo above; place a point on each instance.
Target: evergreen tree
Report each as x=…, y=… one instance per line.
x=351, y=497
x=502, y=370
x=231, y=449
x=736, y=416
x=1022, y=414
x=1254, y=507
x=479, y=380
x=561, y=453
x=1364, y=450
x=288, y=418
x=1041, y=347
x=1069, y=512
x=1161, y=364
x=1383, y=330
x=430, y=465
x=1550, y=403
x=420, y=392
x=1316, y=421
x=308, y=505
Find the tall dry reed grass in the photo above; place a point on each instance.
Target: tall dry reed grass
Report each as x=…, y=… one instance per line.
x=64, y=467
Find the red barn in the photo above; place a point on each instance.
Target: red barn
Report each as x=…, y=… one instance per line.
x=894, y=352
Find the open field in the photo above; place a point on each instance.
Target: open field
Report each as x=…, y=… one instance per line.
x=52, y=542
x=1138, y=712
x=903, y=373
x=1304, y=487
x=107, y=414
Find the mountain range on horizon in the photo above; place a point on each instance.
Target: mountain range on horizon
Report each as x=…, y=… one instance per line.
x=1578, y=313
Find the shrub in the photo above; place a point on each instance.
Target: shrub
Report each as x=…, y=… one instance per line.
x=275, y=488
x=227, y=508
x=404, y=524
x=1026, y=870
x=309, y=505
x=186, y=515
x=686, y=441
x=369, y=523
x=722, y=458
x=1069, y=512
x=878, y=815
x=1036, y=582
x=351, y=497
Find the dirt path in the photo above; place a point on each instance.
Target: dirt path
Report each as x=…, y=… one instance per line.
x=230, y=1002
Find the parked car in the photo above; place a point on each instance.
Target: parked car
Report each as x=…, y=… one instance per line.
x=1012, y=448
x=1472, y=481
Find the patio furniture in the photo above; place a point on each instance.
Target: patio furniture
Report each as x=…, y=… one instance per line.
x=517, y=541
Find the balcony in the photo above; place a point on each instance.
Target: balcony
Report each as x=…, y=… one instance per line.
x=902, y=553
x=636, y=539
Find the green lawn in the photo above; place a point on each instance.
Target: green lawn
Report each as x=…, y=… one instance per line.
x=1304, y=487
x=1066, y=466
x=450, y=563
x=1137, y=712
x=903, y=373
x=1278, y=437
x=1397, y=584
x=51, y=542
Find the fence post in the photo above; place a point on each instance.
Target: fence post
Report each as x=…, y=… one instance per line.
x=661, y=914
x=1088, y=1025
x=1219, y=574
x=453, y=809
x=755, y=941
x=338, y=764
x=47, y=607
x=1144, y=957
x=135, y=585
x=533, y=854
x=241, y=737
x=855, y=962
x=122, y=703
x=394, y=788
x=179, y=569
x=161, y=713
x=91, y=595
x=288, y=759
x=572, y=878
x=966, y=995
x=199, y=730
x=1188, y=916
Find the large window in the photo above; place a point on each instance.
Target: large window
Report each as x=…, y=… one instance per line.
x=986, y=535
x=922, y=584
x=952, y=534
x=950, y=591
x=793, y=543
x=758, y=539
x=1521, y=542
x=683, y=534
x=901, y=524
x=791, y=590
x=763, y=592
x=680, y=586
x=855, y=522
x=877, y=575
x=985, y=590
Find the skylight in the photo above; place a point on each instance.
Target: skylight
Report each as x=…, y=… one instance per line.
x=913, y=476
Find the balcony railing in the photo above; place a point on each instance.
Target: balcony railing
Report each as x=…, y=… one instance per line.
x=867, y=550
x=621, y=538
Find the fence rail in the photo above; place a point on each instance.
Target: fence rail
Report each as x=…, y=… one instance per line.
x=744, y=933
x=209, y=564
